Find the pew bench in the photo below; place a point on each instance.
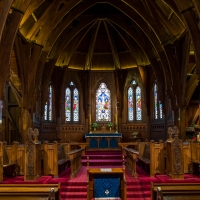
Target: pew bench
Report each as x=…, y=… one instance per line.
x=175, y=191
x=144, y=156
x=8, y=159
x=131, y=156
x=30, y=191
x=63, y=159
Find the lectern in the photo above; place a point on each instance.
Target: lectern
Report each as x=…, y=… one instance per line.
x=106, y=182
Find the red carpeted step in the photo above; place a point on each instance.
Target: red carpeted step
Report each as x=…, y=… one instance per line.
x=105, y=157
x=135, y=194
x=76, y=195
x=75, y=188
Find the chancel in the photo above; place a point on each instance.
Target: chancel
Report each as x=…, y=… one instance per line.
x=99, y=99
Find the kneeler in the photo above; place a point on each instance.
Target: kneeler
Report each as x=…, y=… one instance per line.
x=107, y=186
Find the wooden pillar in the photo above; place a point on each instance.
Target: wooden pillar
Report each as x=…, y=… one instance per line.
x=176, y=117
x=182, y=123
x=1, y=132
x=27, y=122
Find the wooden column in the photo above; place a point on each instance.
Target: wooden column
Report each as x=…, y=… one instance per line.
x=26, y=123
x=1, y=133
x=182, y=123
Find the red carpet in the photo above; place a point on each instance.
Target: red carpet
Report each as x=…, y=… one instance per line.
x=76, y=188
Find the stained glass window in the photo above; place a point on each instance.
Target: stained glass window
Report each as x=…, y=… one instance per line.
x=103, y=103
x=71, y=103
x=50, y=102
x=138, y=103
x=158, y=113
x=45, y=111
x=155, y=101
x=68, y=104
x=134, y=101
x=48, y=105
x=161, y=114
x=76, y=105
x=130, y=104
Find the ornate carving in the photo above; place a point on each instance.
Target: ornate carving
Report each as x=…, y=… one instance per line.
x=30, y=155
x=176, y=144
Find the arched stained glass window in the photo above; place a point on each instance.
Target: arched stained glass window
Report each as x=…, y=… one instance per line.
x=155, y=102
x=76, y=105
x=48, y=105
x=161, y=113
x=158, y=113
x=45, y=111
x=134, y=100
x=50, y=102
x=71, y=103
x=130, y=104
x=138, y=103
x=68, y=104
x=103, y=103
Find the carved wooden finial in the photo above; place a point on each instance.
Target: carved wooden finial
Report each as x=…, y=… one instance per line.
x=170, y=133
x=176, y=131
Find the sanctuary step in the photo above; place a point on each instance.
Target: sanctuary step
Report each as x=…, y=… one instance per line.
x=102, y=158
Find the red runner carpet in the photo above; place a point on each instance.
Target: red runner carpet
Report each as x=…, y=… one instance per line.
x=76, y=188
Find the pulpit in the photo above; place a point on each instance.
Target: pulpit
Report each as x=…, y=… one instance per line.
x=106, y=183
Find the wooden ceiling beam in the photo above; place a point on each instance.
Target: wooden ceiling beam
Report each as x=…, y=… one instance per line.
x=190, y=67
x=88, y=61
x=113, y=47
x=165, y=20
x=147, y=49
x=4, y=10
x=31, y=8
x=186, y=8
x=65, y=39
x=57, y=31
x=9, y=33
x=191, y=86
x=155, y=24
x=71, y=48
x=51, y=21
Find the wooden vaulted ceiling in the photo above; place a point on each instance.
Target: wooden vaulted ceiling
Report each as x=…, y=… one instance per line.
x=106, y=35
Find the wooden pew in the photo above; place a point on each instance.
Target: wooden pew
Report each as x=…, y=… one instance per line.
x=132, y=145
x=175, y=191
x=30, y=191
x=57, y=156
x=157, y=158
x=195, y=151
x=144, y=155
x=187, y=158
x=75, y=145
x=131, y=160
x=8, y=159
x=75, y=161
x=50, y=158
x=20, y=159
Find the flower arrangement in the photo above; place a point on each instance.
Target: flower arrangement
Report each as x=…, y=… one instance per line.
x=110, y=125
x=94, y=125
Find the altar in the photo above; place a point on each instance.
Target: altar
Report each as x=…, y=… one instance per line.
x=103, y=140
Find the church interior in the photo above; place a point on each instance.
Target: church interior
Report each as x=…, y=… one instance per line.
x=100, y=99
